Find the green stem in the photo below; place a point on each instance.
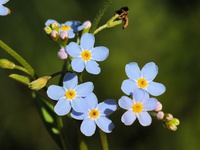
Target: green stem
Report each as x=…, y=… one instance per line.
x=100, y=28
x=100, y=15
x=21, y=69
x=18, y=58
x=104, y=141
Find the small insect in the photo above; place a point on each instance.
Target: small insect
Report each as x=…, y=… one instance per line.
x=123, y=12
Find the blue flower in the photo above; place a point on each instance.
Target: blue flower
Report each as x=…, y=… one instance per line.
x=4, y=10
x=85, y=55
x=94, y=114
x=70, y=95
x=137, y=108
x=142, y=79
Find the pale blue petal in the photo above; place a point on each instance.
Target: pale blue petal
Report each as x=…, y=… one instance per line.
x=3, y=1
x=149, y=104
x=92, y=101
x=70, y=81
x=125, y=102
x=55, y=92
x=144, y=119
x=105, y=124
x=78, y=115
x=79, y=105
x=149, y=71
x=128, y=86
x=139, y=95
x=107, y=107
x=87, y=41
x=84, y=89
x=88, y=127
x=128, y=117
x=71, y=34
x=50, y=21
x=133, y=71
x=78, y=65
x=73, y=49
x=4, y=10
x=155, y=88
x=62, y=107
x=100, y=53
x=93, y=67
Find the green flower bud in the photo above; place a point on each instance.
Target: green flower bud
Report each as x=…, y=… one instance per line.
x=6, y=64
x=47, y=30
x=39, y=83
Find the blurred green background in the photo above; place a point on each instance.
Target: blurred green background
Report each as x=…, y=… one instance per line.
x=166, y=32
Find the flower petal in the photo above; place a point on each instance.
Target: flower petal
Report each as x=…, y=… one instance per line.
x=71, y=34
x=4, y=10
x=87, y=41
x=84, y=89
x=105, y=124
x=3, y=1
x=138, y=95
x=150, y=104
x=125, y=102
x=70, y=81
x=78, y=115
x=93, y=67
x=144, y=118
x=133, y=71
x=50, y=21
x=92, y=101
x=100, y=53
x=155, y=88
x=73, y=49
x=107, y=107
x=79, y=105
x=128, y=86
x=128, y=117
x=62, y=107
x=78, y=65
x=149, y=71
x=55, y=92
x=88, y=127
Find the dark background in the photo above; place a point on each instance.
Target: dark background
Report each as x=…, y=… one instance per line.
x=165, y=32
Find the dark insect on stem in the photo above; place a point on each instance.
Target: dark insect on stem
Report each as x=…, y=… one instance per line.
x=123, y=12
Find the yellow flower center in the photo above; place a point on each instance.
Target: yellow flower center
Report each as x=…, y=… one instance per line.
x=94, y=113
x=65, y=28
x=70, y=94
x=137, y=107
x=142, y=83
x=86, y=55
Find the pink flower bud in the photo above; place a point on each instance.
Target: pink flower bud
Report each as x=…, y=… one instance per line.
x=158, y=106
x=62, y=54
x=160, y=115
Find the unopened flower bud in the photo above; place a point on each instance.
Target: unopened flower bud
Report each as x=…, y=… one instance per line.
x=55, y=26
x=160, y=115
x=87, y=24
x=64, y=35
x=47, y=30
x=62, y=54
x=54, y=35
x=168, y=117
x=158, y=106
x=6, y=64
x=39, y=83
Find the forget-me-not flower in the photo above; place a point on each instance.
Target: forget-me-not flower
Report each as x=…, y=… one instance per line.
x=142, y=79
x=85, y=55
x=94, y=114
x=70, y=95
x=4, y=10
x=137, y=107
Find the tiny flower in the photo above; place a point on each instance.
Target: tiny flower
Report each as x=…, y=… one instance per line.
x=70, y=95
x=94, y=114
x=62, y=54
x=69, y=28
x=39, y=83
x=142, y=79
x=85, y=55
x=137, y=108
x=4, y=10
